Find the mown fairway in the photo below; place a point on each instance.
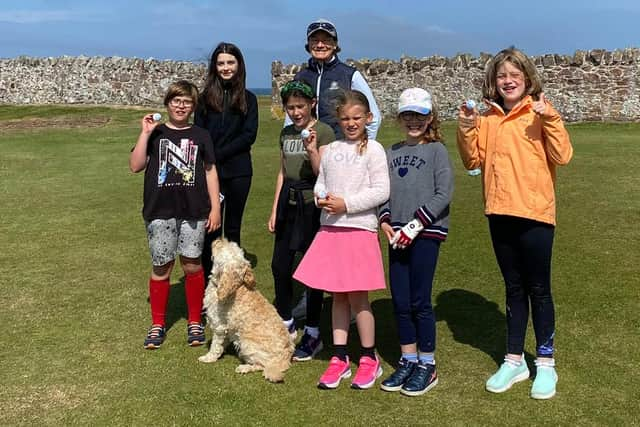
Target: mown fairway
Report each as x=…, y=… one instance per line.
x=75, y=264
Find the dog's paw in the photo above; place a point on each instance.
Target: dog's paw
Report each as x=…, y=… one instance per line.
x=246, y=368
x=208, y=358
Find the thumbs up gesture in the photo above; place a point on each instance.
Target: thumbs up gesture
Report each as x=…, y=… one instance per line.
x=540, y=106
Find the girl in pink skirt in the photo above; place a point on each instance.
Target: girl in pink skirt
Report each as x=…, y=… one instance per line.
x=345, y=257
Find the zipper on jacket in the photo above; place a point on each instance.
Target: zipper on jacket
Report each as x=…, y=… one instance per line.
x=225, y=103
x=320, y=71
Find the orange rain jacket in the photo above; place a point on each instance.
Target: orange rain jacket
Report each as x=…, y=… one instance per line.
x=518, y=153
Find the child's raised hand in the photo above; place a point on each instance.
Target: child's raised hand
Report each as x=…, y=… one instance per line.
x=148, y=123
x=540, y=106
x=332, y=204
x=311, y=142
x=467, y=116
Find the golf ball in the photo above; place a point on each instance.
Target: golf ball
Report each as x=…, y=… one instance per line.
x=305, y=133
x=474, y=172
x=157, y=116
x=471, y=104
x=322, y=194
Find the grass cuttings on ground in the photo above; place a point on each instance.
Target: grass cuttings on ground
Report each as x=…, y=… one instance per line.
x=74, y=311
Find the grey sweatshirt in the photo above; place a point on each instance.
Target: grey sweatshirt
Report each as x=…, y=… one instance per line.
x=421, y=187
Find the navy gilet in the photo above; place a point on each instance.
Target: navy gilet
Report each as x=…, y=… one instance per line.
x=335, y=76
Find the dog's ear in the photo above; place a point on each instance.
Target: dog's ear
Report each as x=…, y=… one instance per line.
x=249, y=279
x=228, y=284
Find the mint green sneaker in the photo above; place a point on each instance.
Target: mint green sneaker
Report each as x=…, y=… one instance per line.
x=510, y=372
x=544, y=386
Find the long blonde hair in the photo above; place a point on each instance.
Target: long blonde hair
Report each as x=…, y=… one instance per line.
x=354, y=97
x=518, y=59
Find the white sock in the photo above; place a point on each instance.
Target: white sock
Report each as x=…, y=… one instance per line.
x=288, y=323
x=314, y=331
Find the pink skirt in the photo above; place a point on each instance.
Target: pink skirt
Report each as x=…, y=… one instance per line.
x=342, y=259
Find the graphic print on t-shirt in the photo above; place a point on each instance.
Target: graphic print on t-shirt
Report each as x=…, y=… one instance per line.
x=177, y=163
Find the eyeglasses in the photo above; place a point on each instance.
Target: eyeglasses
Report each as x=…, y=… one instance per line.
x=175, y=102
x=327, y=42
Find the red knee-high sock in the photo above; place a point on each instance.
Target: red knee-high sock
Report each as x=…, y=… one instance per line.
x=158, y=297
x=194, y=291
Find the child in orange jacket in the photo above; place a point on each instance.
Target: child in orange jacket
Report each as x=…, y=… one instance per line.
x=518, y=142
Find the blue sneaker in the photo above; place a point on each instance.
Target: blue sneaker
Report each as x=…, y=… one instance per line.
x=307, y=348
x=195, y=334
x=423, y=379
x=510, y=372
x=155, y=337
x=544, y=385
x=399, y=376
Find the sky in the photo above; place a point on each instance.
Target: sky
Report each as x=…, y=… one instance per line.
x=268, y=30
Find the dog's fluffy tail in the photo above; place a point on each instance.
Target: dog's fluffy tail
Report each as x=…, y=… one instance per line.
x=275, y=372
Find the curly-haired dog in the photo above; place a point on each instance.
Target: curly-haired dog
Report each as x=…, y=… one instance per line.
x=238, y=313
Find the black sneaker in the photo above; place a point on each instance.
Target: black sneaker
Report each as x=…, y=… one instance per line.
x=423, y=379
x=399, y=376
x=307, y=348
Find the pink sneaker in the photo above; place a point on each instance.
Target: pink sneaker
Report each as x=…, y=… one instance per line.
x=368, y=371
x=336, y=371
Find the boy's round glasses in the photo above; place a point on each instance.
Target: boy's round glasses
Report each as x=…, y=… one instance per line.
x=175, y=102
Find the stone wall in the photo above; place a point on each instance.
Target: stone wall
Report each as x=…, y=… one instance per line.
x=91, y=80
x=596, y=85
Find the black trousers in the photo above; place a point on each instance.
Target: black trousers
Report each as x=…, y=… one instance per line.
x=236, y=192
x=282, y=268
x=523, y=249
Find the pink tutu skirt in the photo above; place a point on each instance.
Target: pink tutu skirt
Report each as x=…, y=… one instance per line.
x=342, y=259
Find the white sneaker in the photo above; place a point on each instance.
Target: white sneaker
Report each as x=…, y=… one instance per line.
x=300, y=310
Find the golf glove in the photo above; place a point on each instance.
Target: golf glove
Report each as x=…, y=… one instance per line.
x=406, y=234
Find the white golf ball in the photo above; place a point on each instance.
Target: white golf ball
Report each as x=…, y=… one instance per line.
x=157, y=116
x=474, y=172
x=471, y=104
x=305, y=133
x=322, y=194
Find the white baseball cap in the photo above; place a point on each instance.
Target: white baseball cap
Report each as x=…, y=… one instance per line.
x=415, y=99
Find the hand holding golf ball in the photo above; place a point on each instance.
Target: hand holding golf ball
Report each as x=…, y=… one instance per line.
x=321, y=192
x=306, y=133
x=468, y=114
x=157, y=117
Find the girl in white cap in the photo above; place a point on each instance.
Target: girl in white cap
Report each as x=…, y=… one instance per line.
x=416, y=221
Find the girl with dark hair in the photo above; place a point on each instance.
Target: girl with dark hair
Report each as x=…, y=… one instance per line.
x=230, y=113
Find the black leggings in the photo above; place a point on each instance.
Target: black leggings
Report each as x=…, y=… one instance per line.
x=236, y=192
x=282, y=269
x=523, y=250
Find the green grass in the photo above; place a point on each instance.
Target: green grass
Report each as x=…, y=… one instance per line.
x=74, y=310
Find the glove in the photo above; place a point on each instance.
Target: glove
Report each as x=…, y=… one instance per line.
x=406, y=234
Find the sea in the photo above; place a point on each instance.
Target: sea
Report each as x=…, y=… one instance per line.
x=260, y=91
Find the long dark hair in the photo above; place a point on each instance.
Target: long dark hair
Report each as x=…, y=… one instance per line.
x=214, y=86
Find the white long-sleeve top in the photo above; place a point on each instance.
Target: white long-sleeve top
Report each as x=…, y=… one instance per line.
x=362, y=180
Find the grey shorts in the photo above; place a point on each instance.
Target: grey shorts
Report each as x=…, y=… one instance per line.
x=168, y=237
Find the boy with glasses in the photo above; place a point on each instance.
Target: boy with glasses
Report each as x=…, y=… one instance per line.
x=181, y=200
